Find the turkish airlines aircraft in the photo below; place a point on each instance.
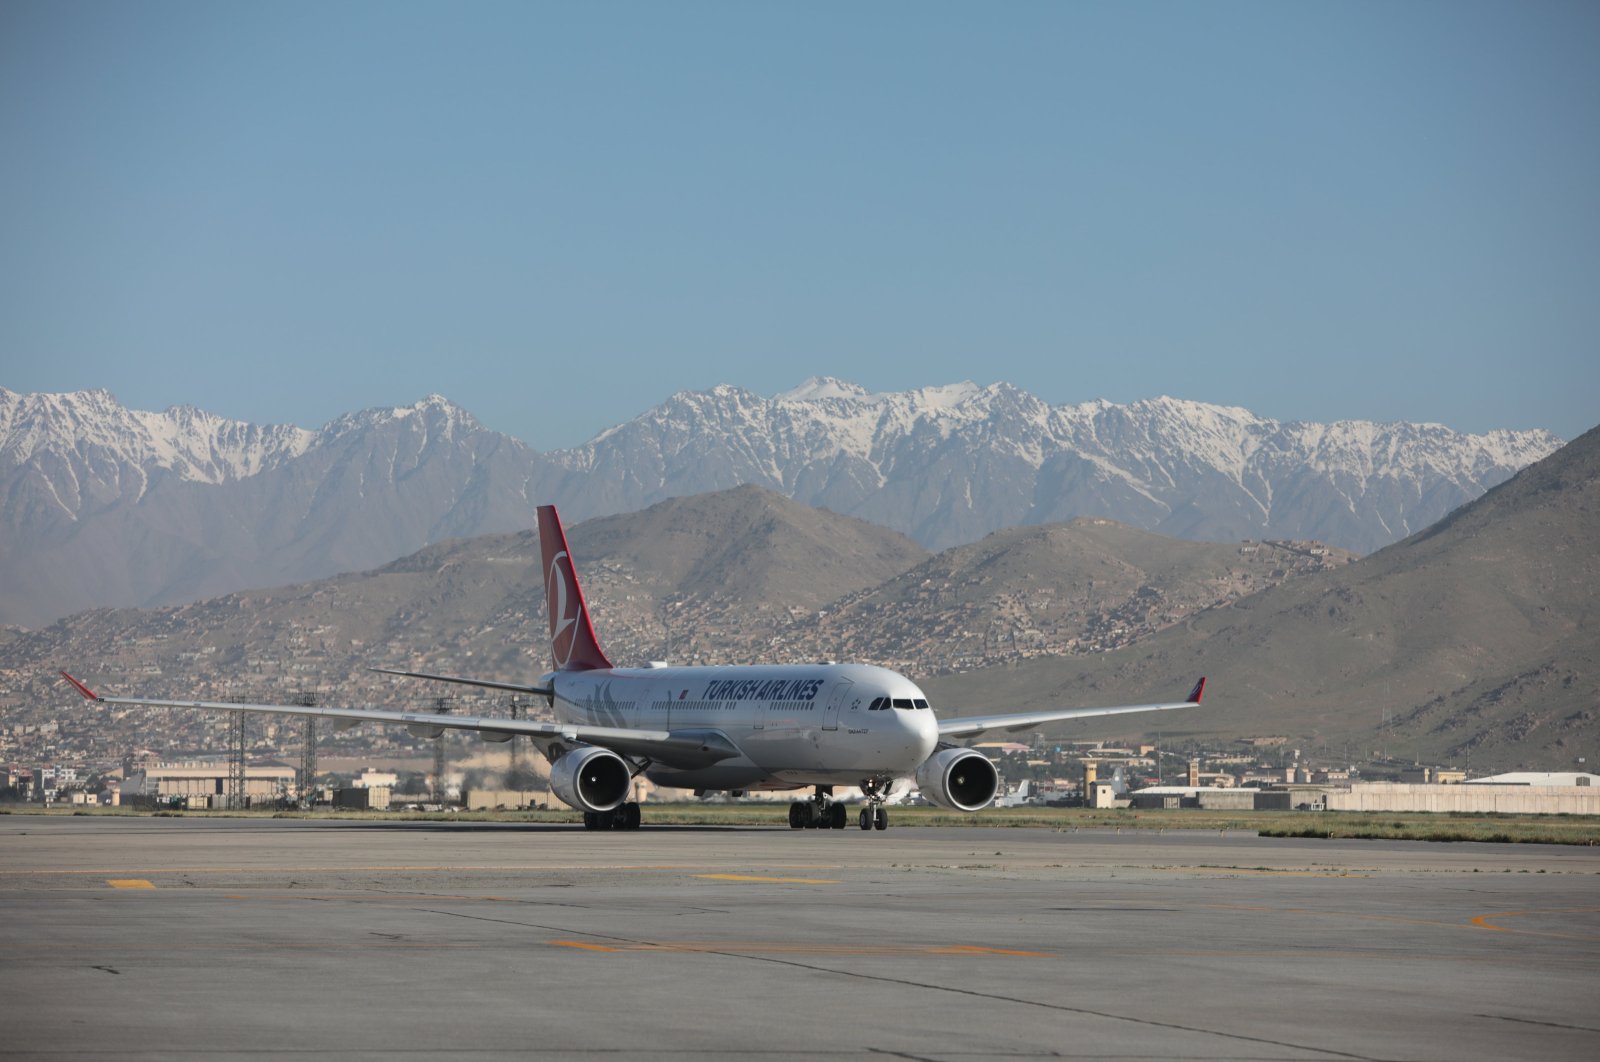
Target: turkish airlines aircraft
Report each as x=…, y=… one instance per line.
x=713, y=728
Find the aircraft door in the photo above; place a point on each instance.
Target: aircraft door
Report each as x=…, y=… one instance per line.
x=839, y=695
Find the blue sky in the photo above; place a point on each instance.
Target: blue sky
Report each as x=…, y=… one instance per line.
x=559, y=213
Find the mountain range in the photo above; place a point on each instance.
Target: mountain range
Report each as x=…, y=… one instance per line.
x=1473, y=641
x=106, y=506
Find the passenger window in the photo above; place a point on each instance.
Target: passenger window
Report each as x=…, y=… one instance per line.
x=920, y=703
x=903, y=702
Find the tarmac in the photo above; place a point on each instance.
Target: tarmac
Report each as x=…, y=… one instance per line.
x=222, y=938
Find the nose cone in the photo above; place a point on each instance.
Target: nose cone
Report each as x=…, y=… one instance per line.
x=922, y=730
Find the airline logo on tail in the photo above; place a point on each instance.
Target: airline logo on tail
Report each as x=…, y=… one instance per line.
x=573, y=645
x=563, y=624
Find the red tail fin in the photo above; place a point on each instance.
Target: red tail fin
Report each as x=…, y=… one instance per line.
x=572, y=640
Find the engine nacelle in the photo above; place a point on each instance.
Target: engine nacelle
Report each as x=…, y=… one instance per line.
x=958, y=779
x=591, y=779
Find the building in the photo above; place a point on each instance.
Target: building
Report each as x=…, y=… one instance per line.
x=362, y=798
x=1103, y=794
x=204, y=783
x=1432, y=776
x=1478, y=795
x=1203, y=797
x=1566, y=778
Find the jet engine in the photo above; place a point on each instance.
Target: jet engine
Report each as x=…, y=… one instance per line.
x=958, y=779
x=591, y=779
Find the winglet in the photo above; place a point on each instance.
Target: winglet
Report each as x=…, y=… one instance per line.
x=1198, y=691
x=88, y=694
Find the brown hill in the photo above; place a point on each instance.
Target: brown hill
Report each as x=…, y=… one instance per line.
x=736, y=559
x=1057, y=590
x=1472, y=641
x=750, y=545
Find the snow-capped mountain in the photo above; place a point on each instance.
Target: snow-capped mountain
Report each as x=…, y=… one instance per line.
x=109, y=506
x=947, y=465
x=104, y=505
x=98, y=450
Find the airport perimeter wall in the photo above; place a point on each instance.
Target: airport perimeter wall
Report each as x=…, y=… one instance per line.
x=1508, y=799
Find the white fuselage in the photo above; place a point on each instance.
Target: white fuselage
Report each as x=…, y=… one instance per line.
x=794, y=725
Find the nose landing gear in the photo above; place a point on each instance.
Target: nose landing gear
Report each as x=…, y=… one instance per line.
x=874, y=816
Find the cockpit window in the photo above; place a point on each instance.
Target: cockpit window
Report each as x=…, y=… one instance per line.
x=878, y=704
x=904, y=702
x=920, y=703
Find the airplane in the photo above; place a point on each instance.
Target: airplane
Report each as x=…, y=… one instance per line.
x=734, y=728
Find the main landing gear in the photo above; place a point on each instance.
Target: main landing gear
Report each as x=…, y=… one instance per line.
x=822, y=813
x=621, y=817
x=818, y=813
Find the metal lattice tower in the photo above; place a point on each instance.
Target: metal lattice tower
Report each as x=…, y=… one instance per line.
x=308, y=754
x=235, y=797
x=441, y=705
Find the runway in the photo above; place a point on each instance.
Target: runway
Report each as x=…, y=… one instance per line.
x=249, y=938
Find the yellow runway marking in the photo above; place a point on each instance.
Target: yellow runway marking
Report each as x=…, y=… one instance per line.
x=365, y=897
x=738, y=947
x=129, y=883
x=769, y=880
x=1359, y=915
x=452, y=869
x=1480, y=922
x=973, y=949
x=246, y=947
x=1483, y=922
x=1271, y=871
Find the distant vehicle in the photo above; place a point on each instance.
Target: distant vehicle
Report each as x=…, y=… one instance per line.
x=766, y=727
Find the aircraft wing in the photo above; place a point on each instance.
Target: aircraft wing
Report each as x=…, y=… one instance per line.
x=514, y=687
x=687, y=749
x=971, y=726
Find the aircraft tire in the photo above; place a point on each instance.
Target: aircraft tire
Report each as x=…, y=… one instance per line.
x=630, y=816
x=881, y=819
x=866, y=818
x=837, y=816
x=797, y=815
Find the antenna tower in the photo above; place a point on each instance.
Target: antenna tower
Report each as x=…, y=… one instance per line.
x=234, y=799
x=308, y=753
